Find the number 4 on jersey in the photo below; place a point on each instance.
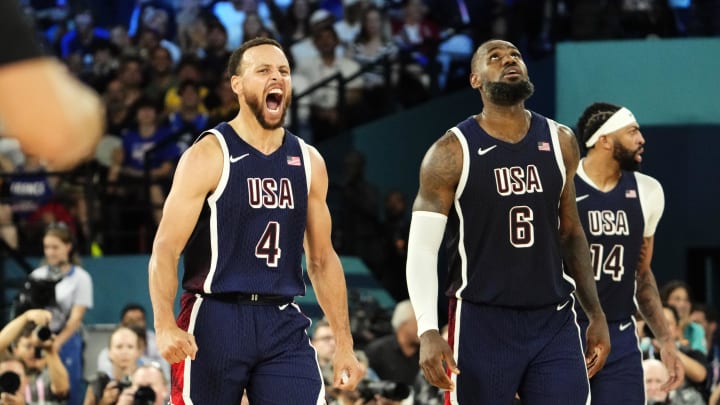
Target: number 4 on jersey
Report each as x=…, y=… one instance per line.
x=268, y=247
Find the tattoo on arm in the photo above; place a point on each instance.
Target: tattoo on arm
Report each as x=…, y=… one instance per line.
x=647, y=294
x=439, y=175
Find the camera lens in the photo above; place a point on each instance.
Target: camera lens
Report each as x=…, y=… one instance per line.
x=144, y=395
x=9, y=382
x=43, y=333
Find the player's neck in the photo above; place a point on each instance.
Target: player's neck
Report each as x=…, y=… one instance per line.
x=249, y=129
x=604, y=173
x=509, y=124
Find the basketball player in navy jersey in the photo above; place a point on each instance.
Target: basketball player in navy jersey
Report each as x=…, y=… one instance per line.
x=501, y=182
x=245, y=199
x=53, y=115
x=620, y=209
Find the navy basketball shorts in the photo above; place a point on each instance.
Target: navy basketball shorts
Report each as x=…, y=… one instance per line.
x=622, y=380
x=504, y=351
x=262, y=348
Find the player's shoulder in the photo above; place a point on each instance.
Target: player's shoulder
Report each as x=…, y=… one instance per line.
x=648, y=183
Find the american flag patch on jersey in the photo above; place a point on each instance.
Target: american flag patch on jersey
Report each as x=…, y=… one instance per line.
x=545, y=146
x=630, y=193
x=294, y=161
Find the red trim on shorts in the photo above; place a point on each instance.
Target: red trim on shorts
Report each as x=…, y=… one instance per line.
x=177, y=370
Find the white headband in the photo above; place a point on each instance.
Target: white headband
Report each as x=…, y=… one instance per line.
x=622, y=118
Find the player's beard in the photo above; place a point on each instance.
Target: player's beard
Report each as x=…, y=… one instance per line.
x=626, y=158
x=507, y=94
x=257, y=108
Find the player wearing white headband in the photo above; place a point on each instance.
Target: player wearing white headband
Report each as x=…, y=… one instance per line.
x=619, y=209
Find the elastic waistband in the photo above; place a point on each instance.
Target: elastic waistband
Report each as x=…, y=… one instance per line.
x=252, y=299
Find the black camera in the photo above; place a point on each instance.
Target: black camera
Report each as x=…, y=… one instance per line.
x=394, y=391
x=43, y=333
x=102, y=380
x=9, y=382
x=144, y=395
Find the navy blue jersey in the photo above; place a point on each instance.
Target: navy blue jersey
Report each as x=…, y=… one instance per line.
x=615, y=223
x=249, y=237
x=502, y=233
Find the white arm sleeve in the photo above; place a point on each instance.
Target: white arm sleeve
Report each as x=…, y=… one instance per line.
x=426, y=235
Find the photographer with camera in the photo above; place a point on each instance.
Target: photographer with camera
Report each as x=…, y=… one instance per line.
x=124, y=351
x=149, y=387
x=13, y=383
x=33, y=344
x=73, y=297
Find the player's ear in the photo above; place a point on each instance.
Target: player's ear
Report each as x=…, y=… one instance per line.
x=236, y=84
x=475, y=81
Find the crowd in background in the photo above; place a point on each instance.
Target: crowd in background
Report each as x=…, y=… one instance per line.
x=160, y=67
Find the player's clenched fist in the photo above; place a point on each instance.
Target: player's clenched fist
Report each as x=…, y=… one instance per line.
x=175, y=344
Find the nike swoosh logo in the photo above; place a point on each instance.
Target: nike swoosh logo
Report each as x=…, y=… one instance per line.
x=241, y=157
x=563, y=305
x=624, y=326
x=482, y=151
x=581, y=197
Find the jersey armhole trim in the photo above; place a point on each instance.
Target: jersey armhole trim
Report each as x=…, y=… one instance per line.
x=465, y=161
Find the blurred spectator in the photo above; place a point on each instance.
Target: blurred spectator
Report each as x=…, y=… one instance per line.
x=214, y=64
x=253, y=27
x=130, y=160
x=121, y=39
x=655, y=376
x=36, y=204
x=371, y=45
x=131, y=77
x=190, y=120
x=158, y=15
x=232, y=14
x=12, y=364
x=192, y=37
x=148, y=40
x=85, y=38
x=304, y=51
x=348, y=27
x=395, y=233
x=73, y=297
x=116, y=108
x=706, y=316
x=161, y=74
x=677, y=294
x=146, y=376
x=133, y=316
x=323, y=340
x=187, y=70
x=330, y=115
x=124, y=353
x=693, y=361
x=226, y=106
x=47, y=378
x=294, y=24
x=104, y=67
x=417, y=33
x=396, y=357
